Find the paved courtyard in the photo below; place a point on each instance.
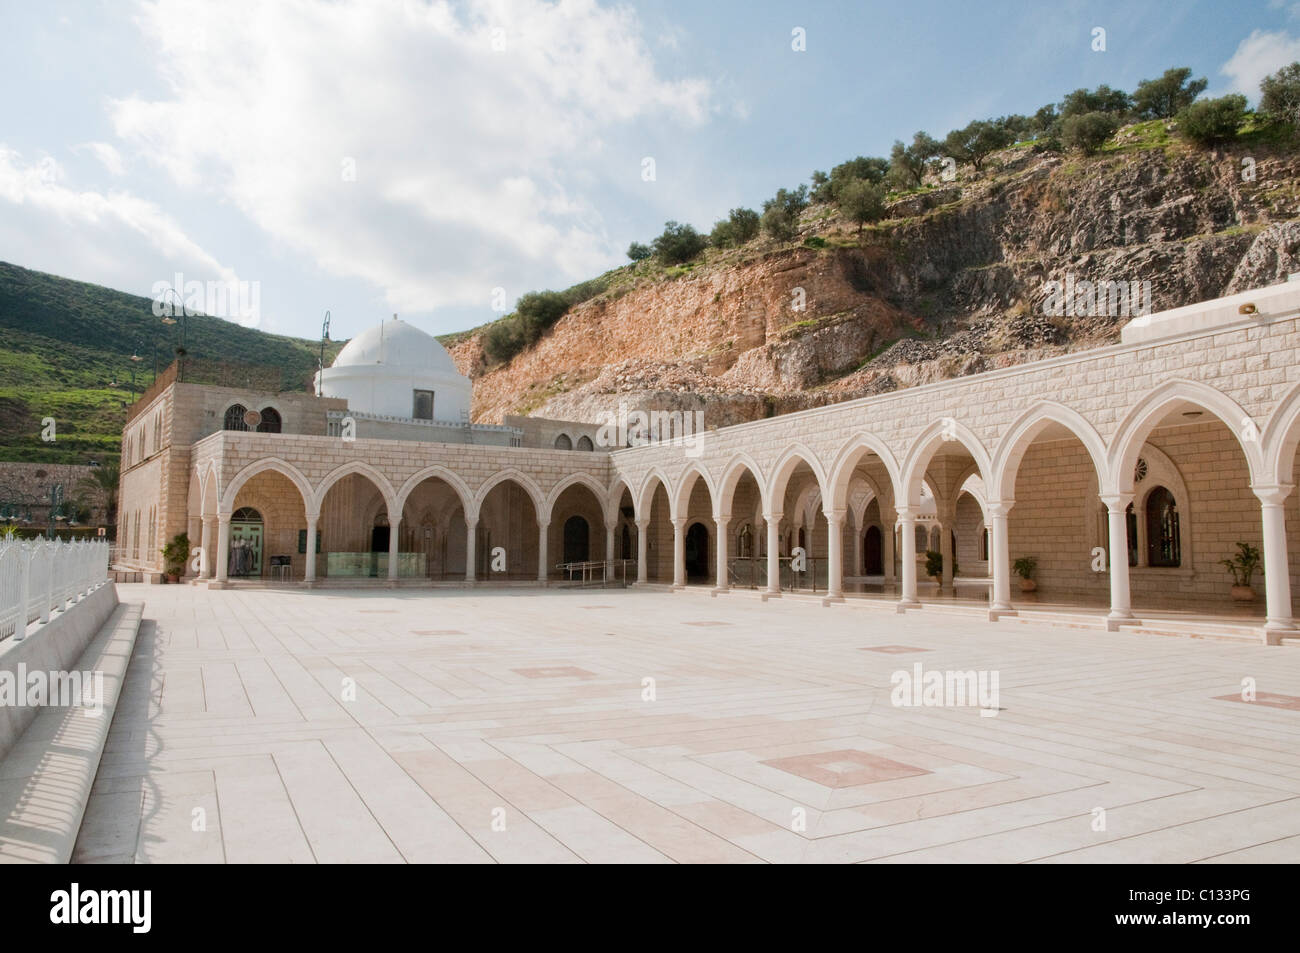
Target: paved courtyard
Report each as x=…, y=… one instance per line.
x=520, y=726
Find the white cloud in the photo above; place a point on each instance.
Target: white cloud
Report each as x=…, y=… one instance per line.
x=108, y=156
x=471, y=164
x=1259, y=55
x=115, y=239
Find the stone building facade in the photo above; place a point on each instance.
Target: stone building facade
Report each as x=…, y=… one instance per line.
x=1125, y=473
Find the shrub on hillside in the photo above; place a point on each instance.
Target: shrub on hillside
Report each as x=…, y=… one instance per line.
x=638, y=251
x=862, y=202
x=1212, y=121
x=1280, y=95
x=678, y=244
x=1167, y=96
x=741, y=225
x=1087, y=132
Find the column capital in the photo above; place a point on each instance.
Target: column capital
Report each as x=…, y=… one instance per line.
x=679, y=522
x=905, y=511
x=834, y=515
x=224, y=515
x=471, y=521
x=642, y=524
x=313, y=517
x=722, y=518
x=1272, y=494
x=543, y=524
x=772, y=516
x=1117, y=501
x=999, y=507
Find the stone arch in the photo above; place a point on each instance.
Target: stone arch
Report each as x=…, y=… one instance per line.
x=1281, y=439
x=785, y=466
x=922, y=450
x=732, y=473
x=440, y=472
x=1145, y=415
x=521, y=479
x=366, y=470
x=614, y=498
x=1011, y=449
x=690, y=475
x=646, y=494
x=564, y=442
x=575, y=479
x=295, y=477
x=846, y=461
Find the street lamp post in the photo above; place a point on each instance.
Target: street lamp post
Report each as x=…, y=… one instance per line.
x=168, y=319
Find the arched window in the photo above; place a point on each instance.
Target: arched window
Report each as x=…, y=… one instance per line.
x=584, y=443
x=922, y=539
x=934, y=538
x=270, y=421
x=1164, y=542
x=562, y=442
x=235, y=417
x=157, y=432
x=246, y=514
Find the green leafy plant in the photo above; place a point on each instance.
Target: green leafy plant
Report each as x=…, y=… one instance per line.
x=1243, y=565
x=176, y=554
x=933, y=563
x=1025, y=567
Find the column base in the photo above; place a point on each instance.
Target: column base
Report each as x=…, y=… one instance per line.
x=719, y=591
x=390, y=583
x=769, y=595
x=1277, y=630
x=831, y=599
x=995, y=614
x=1115, y=623
x=905, y=604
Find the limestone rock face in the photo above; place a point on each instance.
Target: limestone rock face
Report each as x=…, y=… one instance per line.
x=954, y=281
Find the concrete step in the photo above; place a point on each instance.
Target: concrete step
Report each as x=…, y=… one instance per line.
x=45, y=778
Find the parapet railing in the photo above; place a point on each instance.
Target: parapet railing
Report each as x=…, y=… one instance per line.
x=40, y=576
x=796, y=573
x=599, y=572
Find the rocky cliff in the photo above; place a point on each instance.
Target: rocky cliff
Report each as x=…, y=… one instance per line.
x=955, y=281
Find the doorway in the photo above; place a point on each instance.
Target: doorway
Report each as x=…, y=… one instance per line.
x=873, y=552
x=697, y=553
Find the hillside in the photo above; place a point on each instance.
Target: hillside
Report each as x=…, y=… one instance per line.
x=66, y=354
x=951, y=282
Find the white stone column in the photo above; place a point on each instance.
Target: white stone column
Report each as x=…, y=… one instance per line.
x=471, y=544
x=642, y=551
x=1121, y=606
x=1277, y=578
x=206, y=562
x=542, y=529
x=773, y=553
x=679, y=553
x=722, y=581
x=394, y=530
x=609, y=542
x=834, y=554
x=1001, y=555
x=309, y=573
x=907, y=532
x=223, y=546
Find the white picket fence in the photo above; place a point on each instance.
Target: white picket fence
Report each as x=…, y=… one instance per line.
x=39, y=576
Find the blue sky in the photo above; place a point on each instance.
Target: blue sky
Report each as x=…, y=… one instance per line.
x=499, y=144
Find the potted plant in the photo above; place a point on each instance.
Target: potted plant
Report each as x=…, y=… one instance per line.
x=1243, y=566
x=934, y=566
x=1025, y=567
x=175, y=555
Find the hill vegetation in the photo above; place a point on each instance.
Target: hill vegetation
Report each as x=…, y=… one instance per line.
x=67, y=354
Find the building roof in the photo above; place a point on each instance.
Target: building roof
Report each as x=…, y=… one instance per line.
x=396, y=344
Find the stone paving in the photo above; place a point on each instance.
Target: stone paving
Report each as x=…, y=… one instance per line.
x=519, y=726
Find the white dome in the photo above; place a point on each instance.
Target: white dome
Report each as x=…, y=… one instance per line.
x=396, y=344
x=392, y=369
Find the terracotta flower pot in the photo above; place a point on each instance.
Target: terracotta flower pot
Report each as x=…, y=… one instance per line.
x=1027, y=585
x=1243, y=594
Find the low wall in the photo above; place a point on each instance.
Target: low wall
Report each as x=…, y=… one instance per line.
x=53, y=647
